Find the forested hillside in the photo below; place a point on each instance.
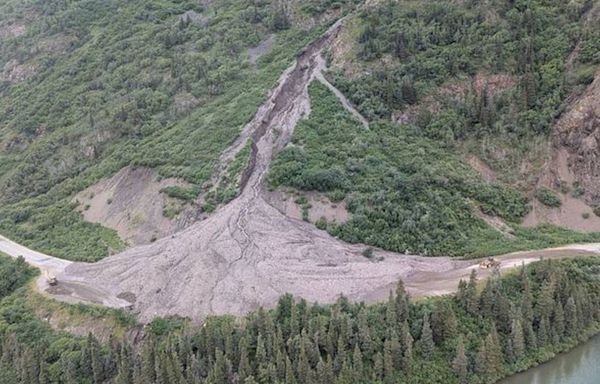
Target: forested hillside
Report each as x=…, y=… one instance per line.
x=477, y=336
x=90, y=87
x=463, y=97
x=421, y=127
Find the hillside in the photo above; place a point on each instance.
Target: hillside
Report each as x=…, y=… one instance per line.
x=468, y=105
x=91, y=87
x=463, y=107
x=174, y=129
x=296, y=191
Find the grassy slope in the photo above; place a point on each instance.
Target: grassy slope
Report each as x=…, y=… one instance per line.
x=111, y=97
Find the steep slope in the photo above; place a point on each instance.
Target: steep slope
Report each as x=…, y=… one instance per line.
x=90, y=87
x=457, y=146
x=248, y=254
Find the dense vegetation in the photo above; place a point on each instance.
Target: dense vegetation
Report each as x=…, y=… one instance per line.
x=479, y=335
x=441, y=81
x=485, y=78
x=14, y=273
x=166, y=84
x=405, y=192
x=439, y=42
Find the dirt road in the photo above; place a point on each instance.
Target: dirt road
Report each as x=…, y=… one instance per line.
x=67, y=290
x=421, y=279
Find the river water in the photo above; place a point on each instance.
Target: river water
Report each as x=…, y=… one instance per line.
x=579, y=366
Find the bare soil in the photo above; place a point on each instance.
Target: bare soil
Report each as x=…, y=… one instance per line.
x=13, y=30
x=16, y=72
x=484, y=170
x=249, y=253
x=131, y=203
x=261, y=49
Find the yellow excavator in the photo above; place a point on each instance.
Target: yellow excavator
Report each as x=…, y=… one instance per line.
x=51, y=278
x=489, y=263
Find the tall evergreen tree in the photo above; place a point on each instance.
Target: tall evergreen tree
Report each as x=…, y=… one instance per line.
x=426, y=343
x=460, y=364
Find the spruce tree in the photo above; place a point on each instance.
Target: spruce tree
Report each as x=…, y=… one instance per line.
x=571, y=323
x=426, y=343
x=460, y=364
x=357, y=364
x=558, y=321
x=517, y=340
x=402, y=303
x=406, y=341
x=471, y=296
x=494, y=359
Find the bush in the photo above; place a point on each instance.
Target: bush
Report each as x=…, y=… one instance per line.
x=548, y=197
x=321, y=223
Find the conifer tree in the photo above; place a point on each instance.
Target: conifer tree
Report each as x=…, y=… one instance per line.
x=471, y=296
x=460, y=364
x=406, y=341
x=402, y=303
x=124, y=370
x=426, y=343
x=517, y=340
x=571, y=324
x=558, y=321
x=493, y=356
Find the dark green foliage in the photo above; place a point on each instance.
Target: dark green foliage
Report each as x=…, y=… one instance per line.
x=427, y=44
x=590, y=51
x=14, y=273
x=405, y=193
x=548, y=197
x=342, y=343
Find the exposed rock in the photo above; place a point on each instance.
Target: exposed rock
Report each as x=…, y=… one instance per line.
x=12, y=30
x=195, y=17
x=320, y=206
x=16, y=72
x=578, y=133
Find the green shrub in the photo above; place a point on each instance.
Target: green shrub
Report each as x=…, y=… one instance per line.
x=548, y=197
x=321, y=223
x=578, y=190
x=208, y=207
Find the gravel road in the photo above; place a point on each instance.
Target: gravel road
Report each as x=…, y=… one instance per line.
x=67, y=290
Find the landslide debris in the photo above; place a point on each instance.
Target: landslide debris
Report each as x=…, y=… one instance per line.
x=248, y=253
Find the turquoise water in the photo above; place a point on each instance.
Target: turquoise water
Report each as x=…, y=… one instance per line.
x=579, y=366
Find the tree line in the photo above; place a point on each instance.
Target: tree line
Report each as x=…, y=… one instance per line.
x=479, y=335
